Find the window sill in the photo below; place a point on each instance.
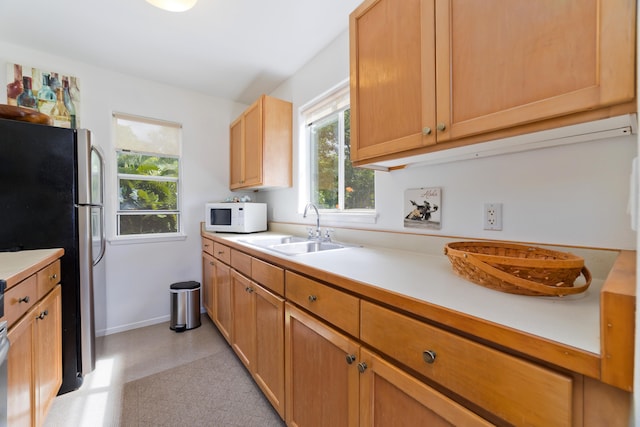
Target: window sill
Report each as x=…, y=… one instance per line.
x=152, y=238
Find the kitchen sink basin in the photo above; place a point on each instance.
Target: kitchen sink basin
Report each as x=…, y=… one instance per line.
x=305, y=247
x=292, y=245
x=266, y=242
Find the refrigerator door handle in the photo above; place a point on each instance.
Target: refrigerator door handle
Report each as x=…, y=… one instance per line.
x=103, y=239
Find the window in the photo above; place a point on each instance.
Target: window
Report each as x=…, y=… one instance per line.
x=148, y=162
x=334, y=183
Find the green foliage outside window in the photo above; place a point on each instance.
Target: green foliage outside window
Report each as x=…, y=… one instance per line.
x=358, y=189
x=147, y=183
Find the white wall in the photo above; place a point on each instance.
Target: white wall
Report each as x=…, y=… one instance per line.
x=135, y=289
x=569, y=195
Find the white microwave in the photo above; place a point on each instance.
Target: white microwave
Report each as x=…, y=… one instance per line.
x=235, y=217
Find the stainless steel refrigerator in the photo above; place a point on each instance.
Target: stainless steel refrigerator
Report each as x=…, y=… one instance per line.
x=51, y=196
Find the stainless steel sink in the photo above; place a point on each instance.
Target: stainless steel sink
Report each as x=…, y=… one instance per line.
x=305, y=247
x=292, y=245
x=265, y=242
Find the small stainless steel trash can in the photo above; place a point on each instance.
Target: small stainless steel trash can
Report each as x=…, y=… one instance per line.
x=185, y=306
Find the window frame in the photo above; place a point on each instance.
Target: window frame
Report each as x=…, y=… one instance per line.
x=117, y=212
x=312, y=112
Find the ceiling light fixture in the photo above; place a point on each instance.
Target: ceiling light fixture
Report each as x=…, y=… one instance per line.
x=173, y=5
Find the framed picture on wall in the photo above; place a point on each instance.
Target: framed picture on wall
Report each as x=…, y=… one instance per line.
x=423, y=208
x=49, y=92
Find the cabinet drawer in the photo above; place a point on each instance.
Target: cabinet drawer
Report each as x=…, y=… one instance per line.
x=513, y=389
x=332, y=305
x=20, y=298
x=47, y=278
x=222, y=252
x=268, y=275
x=207, y=246
x=241, y=262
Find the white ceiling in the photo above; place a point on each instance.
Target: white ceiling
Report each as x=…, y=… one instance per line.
x=234, y=49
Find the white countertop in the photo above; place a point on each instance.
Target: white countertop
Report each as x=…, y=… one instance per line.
x=15, y=265
x=571, y=320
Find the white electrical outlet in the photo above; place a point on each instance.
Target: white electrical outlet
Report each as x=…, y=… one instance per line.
x=493, y=216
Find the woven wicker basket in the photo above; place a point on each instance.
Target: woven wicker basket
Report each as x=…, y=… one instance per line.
x=518, y=269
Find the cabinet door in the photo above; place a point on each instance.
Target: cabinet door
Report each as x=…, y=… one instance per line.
x=208, y=278
x=243, y=318
x=501, y=64
x=268, y=366
x=253, y=140
x=48, y=352
x=321, y=373
x=222, y=299
x=236, y=167
x=389, y=396
x=392, y=77
x=20, y=373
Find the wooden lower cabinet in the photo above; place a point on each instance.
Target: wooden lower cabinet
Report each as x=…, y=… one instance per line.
x=35, y=362
x=332, y=380
x=243, y=319
x=389, y=396
x=514, y=390
x=321, y=373
x=258, y=336
x=20, y=397
x=222, y=298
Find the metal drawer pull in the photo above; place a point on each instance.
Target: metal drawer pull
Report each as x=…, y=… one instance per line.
x=24, y=299
x=362, y=367
x=441, y=127
x=429, y=356
x=248, y=289
x=426, y=130
x=54, y=277
x=43, y=314
x=351, y=358
x=312, y=298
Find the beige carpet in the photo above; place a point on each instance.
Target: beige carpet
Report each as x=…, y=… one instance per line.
x=212, y=391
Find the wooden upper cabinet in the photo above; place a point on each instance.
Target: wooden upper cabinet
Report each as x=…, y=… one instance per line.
x=261, y=145
x=431, y=72
x=236, y=150
x=392, y=77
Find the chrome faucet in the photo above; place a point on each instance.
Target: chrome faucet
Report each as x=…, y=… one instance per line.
x=304, y=215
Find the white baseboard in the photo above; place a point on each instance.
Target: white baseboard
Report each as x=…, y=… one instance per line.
x=136, y=325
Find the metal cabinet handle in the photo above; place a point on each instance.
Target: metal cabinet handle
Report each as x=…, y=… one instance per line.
x=53, y=277
x=351, y=358
x=24, y=299
x=362, y=367
x=43, y=314
x=426, y=130
x=248, y=289
x=429, y=356
x=220, y=252
x=441, y=127
x=312, y=298
x=211, y=263
x=206, y=245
